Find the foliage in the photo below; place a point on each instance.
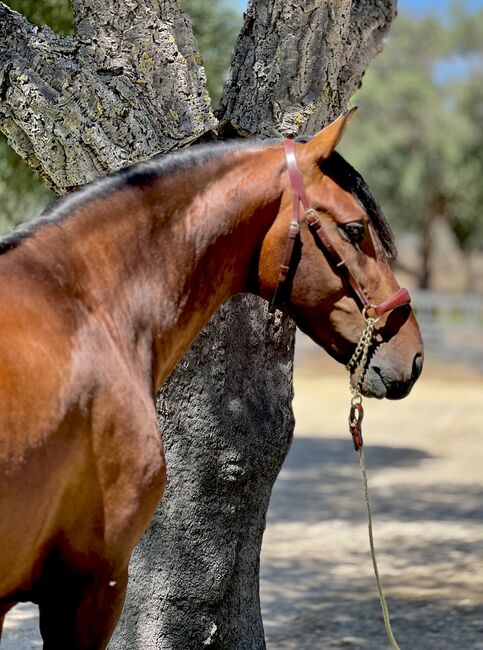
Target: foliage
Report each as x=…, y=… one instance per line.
x=55, y=13
x=216, y=25
x=465, y=210
x=419, y=137
x=23, y=194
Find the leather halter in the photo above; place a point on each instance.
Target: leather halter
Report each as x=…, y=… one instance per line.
x=299, y=196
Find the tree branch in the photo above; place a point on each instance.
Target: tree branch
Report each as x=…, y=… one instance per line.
x=301, y=61
x=15, y=30
x=77, y=108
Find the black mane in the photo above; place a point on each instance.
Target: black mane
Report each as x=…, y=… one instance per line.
x=350, y=180
x=142, y=173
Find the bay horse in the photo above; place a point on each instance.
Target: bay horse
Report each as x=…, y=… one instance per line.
x=99, y=299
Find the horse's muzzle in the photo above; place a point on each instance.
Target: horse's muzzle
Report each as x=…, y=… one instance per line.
x=381, y=381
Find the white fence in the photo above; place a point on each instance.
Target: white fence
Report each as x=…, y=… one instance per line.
x=452, y=326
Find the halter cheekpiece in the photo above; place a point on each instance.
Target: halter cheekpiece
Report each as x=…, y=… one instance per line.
x=371, y=313
x=299, y=196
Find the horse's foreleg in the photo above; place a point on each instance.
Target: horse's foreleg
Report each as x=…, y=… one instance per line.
x=82, y=614
x=84, y=577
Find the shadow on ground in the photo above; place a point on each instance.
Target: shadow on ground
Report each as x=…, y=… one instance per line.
x=318, y=590
x=417, y=625
x=321, y=482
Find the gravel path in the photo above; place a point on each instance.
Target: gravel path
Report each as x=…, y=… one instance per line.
x=425, y=466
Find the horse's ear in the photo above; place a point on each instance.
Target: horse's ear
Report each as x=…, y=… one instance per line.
x=324, y=142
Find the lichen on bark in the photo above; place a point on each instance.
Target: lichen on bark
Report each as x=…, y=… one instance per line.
x=126, y=87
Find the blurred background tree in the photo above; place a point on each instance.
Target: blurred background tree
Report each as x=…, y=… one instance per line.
x=216, y=25
x=419, y=140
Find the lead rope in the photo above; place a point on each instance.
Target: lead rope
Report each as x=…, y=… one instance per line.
x=360, y=358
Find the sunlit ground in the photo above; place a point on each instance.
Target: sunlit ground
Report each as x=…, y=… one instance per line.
x=20, y=631
x=425, y=460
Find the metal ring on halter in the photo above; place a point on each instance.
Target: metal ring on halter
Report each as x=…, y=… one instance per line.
x=369, y=319
x=311, y=211
x=356, y=399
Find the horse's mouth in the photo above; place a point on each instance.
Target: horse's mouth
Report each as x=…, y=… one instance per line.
x=380, y=385
x=382, y=380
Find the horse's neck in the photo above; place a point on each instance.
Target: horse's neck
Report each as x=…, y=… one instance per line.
x=161, y=258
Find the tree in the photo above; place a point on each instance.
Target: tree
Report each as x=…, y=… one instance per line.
x=420, y=143
x=464, y=211
x=215, y=27
x=129, y=85
x=23, y=193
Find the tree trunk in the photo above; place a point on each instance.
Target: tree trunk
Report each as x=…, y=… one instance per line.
x=129, y=86
x=435, y=212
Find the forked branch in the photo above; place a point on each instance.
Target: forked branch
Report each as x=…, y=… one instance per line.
x=297, y=64
x=123, y=89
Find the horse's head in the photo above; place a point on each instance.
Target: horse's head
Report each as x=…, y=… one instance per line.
x=322, y=294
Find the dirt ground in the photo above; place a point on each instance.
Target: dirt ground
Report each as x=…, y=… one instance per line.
x=425, y=468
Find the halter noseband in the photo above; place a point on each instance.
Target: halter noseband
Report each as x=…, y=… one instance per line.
x=299, y=196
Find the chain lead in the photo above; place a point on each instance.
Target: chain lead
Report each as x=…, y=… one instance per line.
x=361, y=354
x=360, y=358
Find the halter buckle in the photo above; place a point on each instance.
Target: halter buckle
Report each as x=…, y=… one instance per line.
x=314, y=222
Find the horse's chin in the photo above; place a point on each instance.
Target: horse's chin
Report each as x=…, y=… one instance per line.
x=373, y=386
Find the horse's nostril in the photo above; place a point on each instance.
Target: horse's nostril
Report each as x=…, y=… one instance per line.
x=417, y=366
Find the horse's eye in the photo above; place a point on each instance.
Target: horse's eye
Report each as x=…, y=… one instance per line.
x=353, y=231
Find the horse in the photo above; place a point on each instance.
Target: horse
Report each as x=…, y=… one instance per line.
x=102, y=295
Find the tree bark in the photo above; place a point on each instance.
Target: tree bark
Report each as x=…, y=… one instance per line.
x=296, y=63
x=128, y=86
x=227, y=406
